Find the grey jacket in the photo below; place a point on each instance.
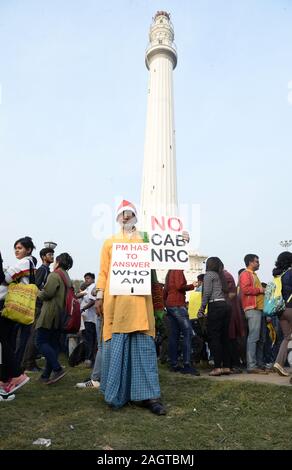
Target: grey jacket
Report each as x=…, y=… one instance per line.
x=212, y=288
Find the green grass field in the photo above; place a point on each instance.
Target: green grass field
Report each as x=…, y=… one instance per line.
x=202, y=414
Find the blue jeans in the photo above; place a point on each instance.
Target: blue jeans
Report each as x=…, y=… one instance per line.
x=96, y=371
x=255, y=339
x=48, y=343
x=98, y=331
x=179, y=323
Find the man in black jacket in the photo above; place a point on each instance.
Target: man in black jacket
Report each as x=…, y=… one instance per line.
x=47, y=257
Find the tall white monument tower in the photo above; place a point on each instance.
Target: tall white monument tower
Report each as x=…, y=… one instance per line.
x=159, y=186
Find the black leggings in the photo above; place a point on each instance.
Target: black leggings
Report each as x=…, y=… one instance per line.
x=218, y=333
x=9, y=367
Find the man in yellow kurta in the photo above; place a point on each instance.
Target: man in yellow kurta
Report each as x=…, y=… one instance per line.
x=129, y=361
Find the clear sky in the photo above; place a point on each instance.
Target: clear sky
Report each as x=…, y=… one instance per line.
x=73, y=110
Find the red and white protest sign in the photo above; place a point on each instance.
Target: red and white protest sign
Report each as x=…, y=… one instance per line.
x=130, y=269
x=169, y=248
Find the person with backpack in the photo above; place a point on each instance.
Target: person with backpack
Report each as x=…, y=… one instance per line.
x=282, y=268
x=49, y=323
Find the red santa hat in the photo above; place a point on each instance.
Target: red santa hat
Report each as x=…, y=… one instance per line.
x=126, y=206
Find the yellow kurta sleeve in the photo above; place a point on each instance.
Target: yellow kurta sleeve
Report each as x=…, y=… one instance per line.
x=104, y=265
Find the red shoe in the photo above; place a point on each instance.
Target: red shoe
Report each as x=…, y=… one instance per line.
x=16, y=383
x=4, y=385
x=56, y=376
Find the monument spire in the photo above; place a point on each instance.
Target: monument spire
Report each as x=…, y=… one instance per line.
x=159, y=185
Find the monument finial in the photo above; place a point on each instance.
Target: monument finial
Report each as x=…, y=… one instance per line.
x=162, y=13
x=161, y=37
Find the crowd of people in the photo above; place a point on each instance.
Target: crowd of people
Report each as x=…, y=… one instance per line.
x=221, y=326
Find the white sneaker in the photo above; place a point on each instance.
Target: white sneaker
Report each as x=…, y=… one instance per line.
x=4, y=398
x=280, y=370
x=88, y=384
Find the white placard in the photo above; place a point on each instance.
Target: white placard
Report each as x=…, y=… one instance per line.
x=169, y=249
x=130, y=269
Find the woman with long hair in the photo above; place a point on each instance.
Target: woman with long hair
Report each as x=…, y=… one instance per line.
x=282, y=268
x=215, y=291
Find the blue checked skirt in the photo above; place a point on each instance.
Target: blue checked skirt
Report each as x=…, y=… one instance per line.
x=129, y=369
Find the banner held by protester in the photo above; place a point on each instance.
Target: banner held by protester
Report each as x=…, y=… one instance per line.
x=130, y=269
x=168, y=243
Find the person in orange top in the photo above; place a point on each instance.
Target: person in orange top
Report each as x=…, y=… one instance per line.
x=252, y=299
x=129, y=362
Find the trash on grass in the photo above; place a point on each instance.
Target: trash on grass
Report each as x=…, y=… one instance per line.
x=107, y=447
x=42, y=442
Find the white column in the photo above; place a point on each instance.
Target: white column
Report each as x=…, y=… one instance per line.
x=159, y=184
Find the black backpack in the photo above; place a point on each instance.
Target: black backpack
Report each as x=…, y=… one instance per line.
x=78, y=355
